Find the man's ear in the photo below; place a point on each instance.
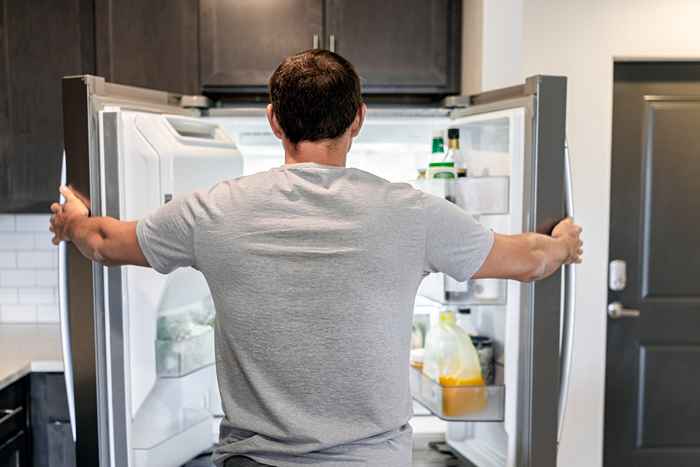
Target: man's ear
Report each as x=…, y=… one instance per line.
x=274, y=124
x=356, y=125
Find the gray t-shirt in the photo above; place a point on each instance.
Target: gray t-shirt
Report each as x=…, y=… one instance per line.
x=314, y=271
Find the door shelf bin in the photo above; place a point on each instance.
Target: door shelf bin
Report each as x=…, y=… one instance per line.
x=462, y=403
x=485, y=195
x=442, y=289
x=176, y=358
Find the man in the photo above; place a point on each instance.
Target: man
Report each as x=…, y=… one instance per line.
x=314, y=268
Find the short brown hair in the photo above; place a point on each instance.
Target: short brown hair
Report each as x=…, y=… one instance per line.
x=315, y=95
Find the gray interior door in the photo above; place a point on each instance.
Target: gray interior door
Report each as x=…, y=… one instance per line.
x=653, y=359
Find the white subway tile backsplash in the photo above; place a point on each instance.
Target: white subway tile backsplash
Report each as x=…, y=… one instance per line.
x=7, y=222
x=8, y=296
x=18, y=313
x=42, y=241
x=8, y=259
x=28, y=269
x=47, y=313
x=37, y=296
x=36, y=259
x=32, y=222
x=16, y=241
x=46, y=278
x=17, y=278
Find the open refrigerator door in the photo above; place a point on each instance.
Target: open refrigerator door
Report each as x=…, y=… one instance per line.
x=492, y=145
x=512, y=145
x=166, y=321
x=142, y=346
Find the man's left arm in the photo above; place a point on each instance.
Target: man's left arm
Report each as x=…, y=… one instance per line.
x=103, y=239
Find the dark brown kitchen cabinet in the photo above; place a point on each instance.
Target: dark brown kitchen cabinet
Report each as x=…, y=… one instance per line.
x=14, y=427
x=399, y=46
x=243, y=41
x=150, y=44
x=40, y=42
x=14, y=452
x=52, y=437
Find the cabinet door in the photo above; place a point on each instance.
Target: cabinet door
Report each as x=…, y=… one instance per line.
x=61, y=445
x=399, y=46
x=151, y=44
x=40, y=42
x=15, y=451
x=52, y=438
x=243, y=41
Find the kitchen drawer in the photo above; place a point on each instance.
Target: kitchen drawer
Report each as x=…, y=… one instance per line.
x=14, y=395
x=12, y=421
x=13, y=409
x=14, y=452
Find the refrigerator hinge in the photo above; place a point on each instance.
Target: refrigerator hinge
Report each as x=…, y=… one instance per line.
x=457, y=102
x=195, y=102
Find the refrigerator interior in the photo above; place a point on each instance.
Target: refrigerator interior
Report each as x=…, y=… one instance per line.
x=169, y=372
x=395, y=147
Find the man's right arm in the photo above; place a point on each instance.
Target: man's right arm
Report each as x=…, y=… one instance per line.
x=530, y=256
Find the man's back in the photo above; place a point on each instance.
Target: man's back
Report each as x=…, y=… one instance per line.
x=314, y=271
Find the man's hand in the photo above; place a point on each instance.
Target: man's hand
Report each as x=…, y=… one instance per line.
x=530, y=256
x=64, y=213
x=103, y=239
x=570, y=235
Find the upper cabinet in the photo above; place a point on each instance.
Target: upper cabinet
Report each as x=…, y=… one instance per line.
x=399, y=46
x=141, y=43
x=220, y=47
x=242, y=42
x=40, y=42
x=151, y=44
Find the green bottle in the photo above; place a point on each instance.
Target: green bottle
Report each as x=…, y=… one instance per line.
x=440, y=165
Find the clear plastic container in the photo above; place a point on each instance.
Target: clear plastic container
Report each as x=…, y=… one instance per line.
x=176, y=358
x=452, y=361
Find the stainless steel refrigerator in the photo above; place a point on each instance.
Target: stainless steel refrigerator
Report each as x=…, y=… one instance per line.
x=142, y=391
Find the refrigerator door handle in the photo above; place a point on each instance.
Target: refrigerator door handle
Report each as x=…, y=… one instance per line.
x=569, y=304
x=64, y=318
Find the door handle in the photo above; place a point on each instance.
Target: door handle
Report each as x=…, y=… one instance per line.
x=315, y=42
x=569, y=305
x=65, y=317
x=331, y=42
x=617, y=311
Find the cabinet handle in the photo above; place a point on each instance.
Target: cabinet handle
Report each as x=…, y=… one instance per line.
x=315, y=41
x=8, y=414
x=331, y=43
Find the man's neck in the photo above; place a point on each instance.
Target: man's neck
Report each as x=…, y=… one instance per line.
x=319, y=152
